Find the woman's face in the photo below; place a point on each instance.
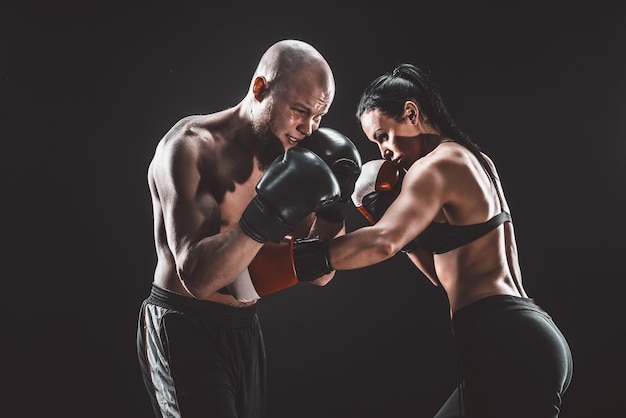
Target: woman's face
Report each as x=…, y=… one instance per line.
x=397, y=141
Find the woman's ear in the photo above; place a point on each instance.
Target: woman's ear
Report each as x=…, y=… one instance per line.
x=259, y=88
x=411, y=112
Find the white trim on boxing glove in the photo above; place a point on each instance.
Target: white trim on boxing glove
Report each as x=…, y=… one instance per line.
x=242, y=288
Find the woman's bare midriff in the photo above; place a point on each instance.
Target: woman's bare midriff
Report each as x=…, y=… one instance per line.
x=472, y=272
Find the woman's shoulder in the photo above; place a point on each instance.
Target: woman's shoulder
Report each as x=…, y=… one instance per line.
x=448, y=157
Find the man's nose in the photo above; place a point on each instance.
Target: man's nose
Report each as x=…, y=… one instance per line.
x=309, y=125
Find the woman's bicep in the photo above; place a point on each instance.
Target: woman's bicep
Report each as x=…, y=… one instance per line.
x=420, y=200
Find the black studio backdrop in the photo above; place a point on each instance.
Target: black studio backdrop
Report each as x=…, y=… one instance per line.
x=88, y=90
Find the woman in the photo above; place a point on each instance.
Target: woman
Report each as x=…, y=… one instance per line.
x=514, y=361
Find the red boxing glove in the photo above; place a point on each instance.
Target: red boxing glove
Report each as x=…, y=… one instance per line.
x=376, y=188
x=273, y=268
x=278, y=266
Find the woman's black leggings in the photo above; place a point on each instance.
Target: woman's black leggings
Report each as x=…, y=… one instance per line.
x=513, y=359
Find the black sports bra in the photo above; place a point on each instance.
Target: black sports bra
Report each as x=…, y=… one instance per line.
x=440, y=238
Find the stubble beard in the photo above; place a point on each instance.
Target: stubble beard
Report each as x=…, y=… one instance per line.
x=268, y=146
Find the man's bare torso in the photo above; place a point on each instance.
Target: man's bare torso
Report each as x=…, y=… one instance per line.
x=219, y=172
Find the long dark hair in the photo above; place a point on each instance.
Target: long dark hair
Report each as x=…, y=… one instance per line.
x=388, y=93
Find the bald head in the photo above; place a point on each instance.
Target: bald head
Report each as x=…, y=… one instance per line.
x=286, y=61
x=291, y=90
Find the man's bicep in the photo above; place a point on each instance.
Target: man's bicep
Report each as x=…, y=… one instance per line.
x=190, y=211
x=188, y=221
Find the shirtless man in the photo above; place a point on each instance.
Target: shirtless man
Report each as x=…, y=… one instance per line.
x=219, y=194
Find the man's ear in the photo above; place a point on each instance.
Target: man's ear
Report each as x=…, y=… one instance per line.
x=259, y=87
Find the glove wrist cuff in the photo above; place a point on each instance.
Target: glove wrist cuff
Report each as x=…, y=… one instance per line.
x=311, y=258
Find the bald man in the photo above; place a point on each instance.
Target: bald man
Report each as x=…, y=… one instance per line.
x=199, y=339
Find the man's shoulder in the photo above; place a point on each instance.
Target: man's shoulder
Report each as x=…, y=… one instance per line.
x=209, y=138
x=187, y=143
x=209, y=127
x=188, y=132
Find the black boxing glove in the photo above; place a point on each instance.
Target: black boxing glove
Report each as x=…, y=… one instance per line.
x=294, y=185
x=343, y=158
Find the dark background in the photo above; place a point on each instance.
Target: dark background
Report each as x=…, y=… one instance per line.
x=88, y=89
